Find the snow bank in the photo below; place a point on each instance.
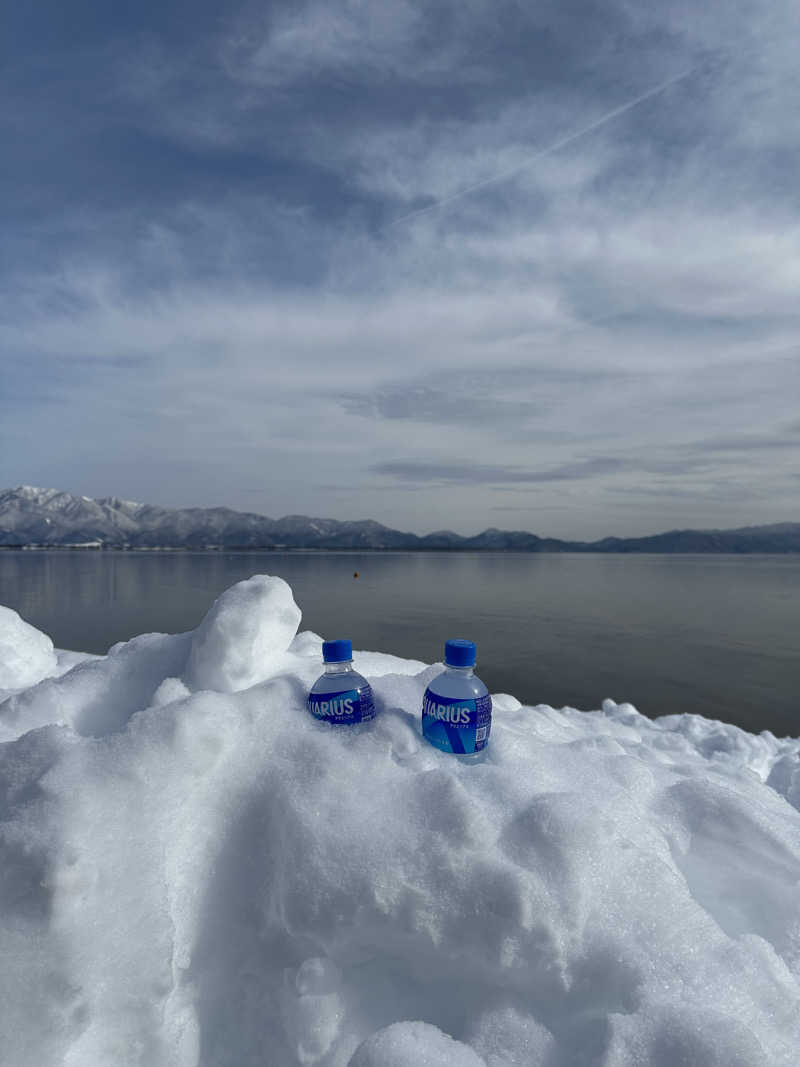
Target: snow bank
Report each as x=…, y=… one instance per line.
x=26, y=654
x=193, y=871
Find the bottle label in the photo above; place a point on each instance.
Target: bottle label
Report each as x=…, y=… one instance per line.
x=454, y=725
x=346, y=707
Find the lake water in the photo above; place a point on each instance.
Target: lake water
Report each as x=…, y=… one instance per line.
x=714, y=635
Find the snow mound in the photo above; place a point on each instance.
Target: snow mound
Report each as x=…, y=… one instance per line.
x=240, y=640
x=26, y=654
x=196, y=873
x=414, y=1045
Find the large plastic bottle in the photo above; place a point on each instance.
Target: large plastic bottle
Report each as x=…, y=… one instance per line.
x=457, y=708
x=340, y=695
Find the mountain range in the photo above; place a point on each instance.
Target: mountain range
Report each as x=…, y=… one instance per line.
x=31, y=517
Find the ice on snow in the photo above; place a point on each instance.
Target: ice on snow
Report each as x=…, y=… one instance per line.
x=193, y=871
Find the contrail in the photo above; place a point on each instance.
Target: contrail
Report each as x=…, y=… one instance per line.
x=547, y=151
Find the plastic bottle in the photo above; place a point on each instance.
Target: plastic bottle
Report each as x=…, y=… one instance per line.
x=457, y=708
x=340, y=695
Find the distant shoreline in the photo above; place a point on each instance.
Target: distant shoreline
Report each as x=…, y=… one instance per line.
x=71, y=523
x=421, y=550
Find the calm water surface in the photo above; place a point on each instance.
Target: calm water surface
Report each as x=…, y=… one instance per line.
x=715, y=635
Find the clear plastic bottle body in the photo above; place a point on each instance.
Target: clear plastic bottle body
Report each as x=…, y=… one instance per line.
x=458, y=687
x=458, y=682
x=341, y=695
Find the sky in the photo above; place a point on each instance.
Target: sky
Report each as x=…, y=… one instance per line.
x=447, y=265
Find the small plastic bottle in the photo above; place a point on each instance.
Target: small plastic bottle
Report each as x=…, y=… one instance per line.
x=340, y=695
x=457, y=708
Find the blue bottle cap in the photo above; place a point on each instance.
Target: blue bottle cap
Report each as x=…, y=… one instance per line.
x=337, y=651
x=459, y=653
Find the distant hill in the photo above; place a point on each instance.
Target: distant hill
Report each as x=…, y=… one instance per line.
x=47, y=517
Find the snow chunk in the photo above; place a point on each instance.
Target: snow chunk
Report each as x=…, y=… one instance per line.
x=26, y=654
x=307, y=644
x=170, y=690
x=506, y=1037
x=414, y=1045
x=239, y=642
x=785, y=777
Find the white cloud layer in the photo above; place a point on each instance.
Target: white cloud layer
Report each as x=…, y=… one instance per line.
x=257, y=328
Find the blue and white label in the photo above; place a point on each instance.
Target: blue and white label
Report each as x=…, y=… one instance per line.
x=346, y=707
x=455, y=725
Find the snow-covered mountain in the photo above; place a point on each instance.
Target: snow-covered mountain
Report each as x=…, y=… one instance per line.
x=31, y=516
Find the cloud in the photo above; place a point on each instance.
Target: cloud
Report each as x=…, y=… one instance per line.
x=312, y=38
x=747, y=443
x=477, y=473
x=424, y=404
x=202, y=288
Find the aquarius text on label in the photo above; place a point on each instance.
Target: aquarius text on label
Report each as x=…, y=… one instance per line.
x=452, y=713
x=334, y=707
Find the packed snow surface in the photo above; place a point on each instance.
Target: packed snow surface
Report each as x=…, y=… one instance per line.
x=26, y=654
x=193, y=871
